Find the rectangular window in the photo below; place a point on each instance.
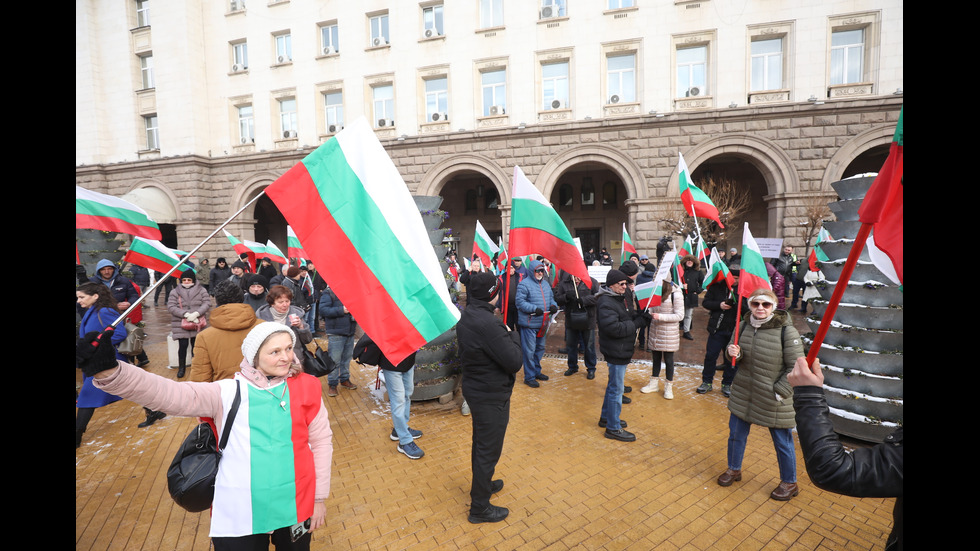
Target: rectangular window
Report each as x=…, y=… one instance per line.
x=239, y=57
x=553, y=8
x=432, y=21
x=287, y=117
x=617, y=4
x=437, y=99
x=379, y=30
x=329, y=39
x=554, y=81
x=333, y=103
x=246, y=125
x=621, y=78
x=146, y=71
x=142, y=13
x=767, y=64
x=491, y=13
x=152, y=132
x=692, y=71
x=847, y=57
x=494, y=86
x=284, y=48
x=384, y=105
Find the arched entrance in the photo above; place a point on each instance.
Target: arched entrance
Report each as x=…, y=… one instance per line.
x=748, y=188
x=590, y=198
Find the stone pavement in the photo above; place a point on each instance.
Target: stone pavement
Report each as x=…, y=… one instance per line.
x=567, y=487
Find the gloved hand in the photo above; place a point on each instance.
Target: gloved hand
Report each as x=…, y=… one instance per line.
x=538, y=312
x=553, y=309
x=192, y=316
x=95, y=353
x=642, y=319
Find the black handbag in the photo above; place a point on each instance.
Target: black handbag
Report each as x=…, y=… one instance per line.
x=191, y=475
x=577, y=317
x=318, y=363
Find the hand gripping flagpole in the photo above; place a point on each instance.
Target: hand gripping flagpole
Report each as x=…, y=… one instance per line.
x=163, y=278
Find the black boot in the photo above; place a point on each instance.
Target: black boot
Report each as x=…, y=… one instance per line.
x=151, y=417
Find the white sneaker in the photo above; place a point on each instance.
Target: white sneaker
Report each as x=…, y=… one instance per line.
x=465, y=410
x=668, y=390
x=652, y=386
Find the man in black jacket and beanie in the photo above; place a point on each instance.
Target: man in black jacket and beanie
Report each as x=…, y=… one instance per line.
x=491, y=356
x=867, y=472
x=720, y=302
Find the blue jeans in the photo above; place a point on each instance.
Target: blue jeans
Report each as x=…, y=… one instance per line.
x=311, y=319
x=341, y=349
x=782, y=439
x=400, y=386
x=571, y=342
x=532, y=350
x=612, y=404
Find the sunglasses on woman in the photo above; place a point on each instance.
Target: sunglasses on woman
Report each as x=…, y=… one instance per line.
x=756, y=304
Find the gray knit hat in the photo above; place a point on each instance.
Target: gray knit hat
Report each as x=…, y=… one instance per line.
x=253, y=341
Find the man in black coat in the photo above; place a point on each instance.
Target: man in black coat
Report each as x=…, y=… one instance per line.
x=578, y=302
x=721, y=324
x=491, y=357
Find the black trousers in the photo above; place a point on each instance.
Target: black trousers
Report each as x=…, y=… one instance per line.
x=489, y=426
x=717, y=342
x=260, y=542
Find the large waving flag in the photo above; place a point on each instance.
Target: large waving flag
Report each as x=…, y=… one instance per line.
x=753, y=275
x=153, y=255
x=97, y=211
x=627, y=248
x=535, y=227
x=695, y=201
x=354, y=215
x=816, y=254
x=718, y=271
x=483, y=247
x=884, y=207
x=293, y=246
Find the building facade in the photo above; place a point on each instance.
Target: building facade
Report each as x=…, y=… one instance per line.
x=192, y=108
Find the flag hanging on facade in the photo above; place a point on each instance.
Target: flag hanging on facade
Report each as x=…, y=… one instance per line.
x=816, y=254
x=884, y=207
x=293, y=247
x=153, y=255
x=754, y=274
x=697, y=202
x=97, y=211
x=483, y=247
x=627, y=248
x=535, y=227
x=717, y=271
x=353, y=213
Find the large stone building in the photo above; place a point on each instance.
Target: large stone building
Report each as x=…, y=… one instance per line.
x=191, y=107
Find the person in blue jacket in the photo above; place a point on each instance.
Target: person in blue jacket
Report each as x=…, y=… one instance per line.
x=100, y=312
x=536, y=305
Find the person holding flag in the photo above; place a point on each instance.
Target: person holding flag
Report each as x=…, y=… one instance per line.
x=663, y=337
x=692, y=279
x=719, y=300
x=534, y=299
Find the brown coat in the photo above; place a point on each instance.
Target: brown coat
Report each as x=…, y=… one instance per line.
x=218, y=349
x=664, y=334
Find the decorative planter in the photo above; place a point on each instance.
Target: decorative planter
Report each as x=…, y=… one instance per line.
x=856, y=314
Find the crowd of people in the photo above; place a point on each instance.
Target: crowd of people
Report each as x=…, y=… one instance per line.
x=255, y=337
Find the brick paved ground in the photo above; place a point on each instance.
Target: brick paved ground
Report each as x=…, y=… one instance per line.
x=566, y=485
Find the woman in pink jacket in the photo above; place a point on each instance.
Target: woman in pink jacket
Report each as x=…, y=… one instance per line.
x=274, y=473
x=664, y=337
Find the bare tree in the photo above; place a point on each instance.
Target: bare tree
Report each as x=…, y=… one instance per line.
x=815, y=211
x=729, y=197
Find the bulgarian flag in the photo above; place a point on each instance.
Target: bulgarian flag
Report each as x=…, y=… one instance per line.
x=627, y=248
x=353, y=213
x=753, y=275
x=687, y=248
x=501, y=257
x=884, y=208
x=718, y=271
x=273, y=253
x=153, y=255
x=483, y=247
x=247, y=248
x=816, y=254
x=96, y=211
x=293, y=246
x=650, y=294
x=695, y=201
x=536, y=228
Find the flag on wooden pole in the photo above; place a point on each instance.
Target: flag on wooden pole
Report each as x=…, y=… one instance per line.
x=695, y=201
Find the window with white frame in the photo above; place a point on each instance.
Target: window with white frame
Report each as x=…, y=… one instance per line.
x=146, y=71
x=329, y=39
x=246, y=125
x=494, y=87
x=142, y=13
x=432, y=21
x=847, y=56
x=554, y=85
x=152, y=132
x=491, y=13
x=617, y=4
x=333, y=103
x=284, y=47
x=692, y=71
x=239, y=56
x=621, y=78
x=384, y=105
x=379, y=30
x=437, y=99
x=553, y=8
x=287, y=117
x=767, y=64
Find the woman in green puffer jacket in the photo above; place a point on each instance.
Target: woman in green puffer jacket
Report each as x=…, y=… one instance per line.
x=767, y=348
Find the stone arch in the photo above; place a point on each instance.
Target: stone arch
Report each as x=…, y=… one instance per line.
x=156, y=199
x=768, y=158
x=249, y=188
x=872, y=137
x=624, y=167
x=442, y=172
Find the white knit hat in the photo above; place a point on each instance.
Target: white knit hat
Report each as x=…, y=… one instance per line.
x=258, y=335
